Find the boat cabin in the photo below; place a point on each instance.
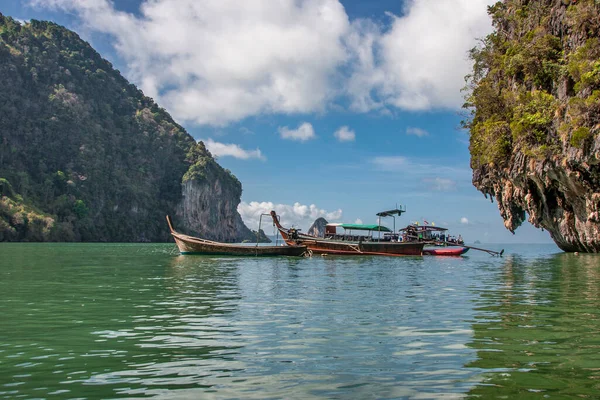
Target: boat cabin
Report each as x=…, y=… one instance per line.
x=356, y=232
x=428, y=233
x=380, y=233
x=365, y=233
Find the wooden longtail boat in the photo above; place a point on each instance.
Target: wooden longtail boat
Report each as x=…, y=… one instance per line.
x=193, y=245
x=358, y=247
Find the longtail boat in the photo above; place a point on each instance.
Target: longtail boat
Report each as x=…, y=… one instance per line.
x=194, y=245
x=359, y=245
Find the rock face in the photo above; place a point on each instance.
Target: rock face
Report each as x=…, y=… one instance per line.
x=85, y=156
x=318, y=227
x=535, y=121
x=262, y=237
x=209, y=209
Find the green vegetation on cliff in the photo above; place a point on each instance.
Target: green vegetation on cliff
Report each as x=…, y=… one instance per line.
x=534, y=97
x=535, y=86
x=84, y=155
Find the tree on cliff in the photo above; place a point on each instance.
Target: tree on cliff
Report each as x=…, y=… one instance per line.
x=534, y=98
x=85, y=154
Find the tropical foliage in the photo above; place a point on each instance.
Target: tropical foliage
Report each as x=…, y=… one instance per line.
x=535, y=84
x=84, y=155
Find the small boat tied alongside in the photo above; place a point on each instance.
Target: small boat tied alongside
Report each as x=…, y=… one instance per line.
x=194, y=245
x=360, y=239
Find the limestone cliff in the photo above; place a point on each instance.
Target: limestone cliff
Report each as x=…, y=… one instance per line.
x=318, y=227
x=209, y=206
x=534, y=97
x=86, y=156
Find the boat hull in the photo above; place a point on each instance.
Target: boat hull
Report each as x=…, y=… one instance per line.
x=192, y=245
x=364, y=249
x=348, y=248
x=445, y=251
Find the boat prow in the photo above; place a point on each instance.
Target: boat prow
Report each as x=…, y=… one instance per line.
x=194, y=245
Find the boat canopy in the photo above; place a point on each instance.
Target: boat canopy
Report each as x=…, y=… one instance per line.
x=359, y=227
x=423, y=228
x=391, y=213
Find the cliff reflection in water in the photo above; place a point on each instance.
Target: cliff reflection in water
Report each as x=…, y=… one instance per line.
x=536, y=330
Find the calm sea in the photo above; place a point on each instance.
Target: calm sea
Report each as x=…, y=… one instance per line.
x=130, y=321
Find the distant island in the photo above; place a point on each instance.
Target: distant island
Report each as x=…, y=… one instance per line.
x=85, y=156
x=534, y=97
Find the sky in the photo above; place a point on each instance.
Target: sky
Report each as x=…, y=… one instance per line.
x=321, y=108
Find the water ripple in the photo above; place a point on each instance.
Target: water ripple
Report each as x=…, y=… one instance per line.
x=132, y=321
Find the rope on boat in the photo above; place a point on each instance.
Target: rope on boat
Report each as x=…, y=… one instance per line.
x=354, y=247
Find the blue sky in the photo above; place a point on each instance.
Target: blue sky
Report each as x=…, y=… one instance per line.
x=334, y=108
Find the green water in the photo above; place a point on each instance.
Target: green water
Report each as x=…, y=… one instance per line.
x=131, y=321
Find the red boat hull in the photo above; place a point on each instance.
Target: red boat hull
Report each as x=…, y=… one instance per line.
x=445, y=251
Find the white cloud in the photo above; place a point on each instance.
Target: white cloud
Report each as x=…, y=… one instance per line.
x=358, y=221
x=215, y=62
x=417, y=132
x=464, y=220
x=390, y=163
x=345, y=134
x=297, y=215
x=418, y=166
x=232, y=150
x=441, y=184
x=303, y=133
x=419, y=63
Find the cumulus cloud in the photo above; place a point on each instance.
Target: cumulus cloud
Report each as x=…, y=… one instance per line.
x=232, y=150
x=345, y=134
x=464, y=220
x=420, y=62
x=417, y=132
x=301, y=134
x=216, y=62
x=358, y=221
x=213, y=62
x=297, y=215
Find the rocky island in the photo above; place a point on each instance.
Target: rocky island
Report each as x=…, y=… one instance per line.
x=86, y=156
x=534, y=98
